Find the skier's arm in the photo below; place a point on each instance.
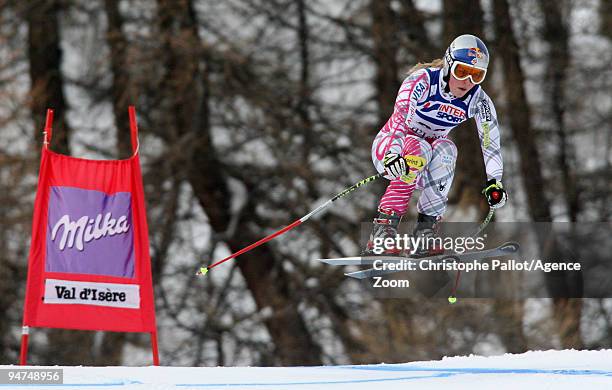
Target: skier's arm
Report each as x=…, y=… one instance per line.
x=413, y=90
x=488, y=131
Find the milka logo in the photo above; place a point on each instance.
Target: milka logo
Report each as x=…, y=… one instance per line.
x=84, y=230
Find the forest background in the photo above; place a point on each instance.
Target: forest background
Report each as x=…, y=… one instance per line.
x=252, y=112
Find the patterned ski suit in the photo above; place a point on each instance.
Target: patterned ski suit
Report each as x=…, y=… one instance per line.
x=422, y=118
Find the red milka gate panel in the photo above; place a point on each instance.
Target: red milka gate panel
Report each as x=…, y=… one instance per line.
x=89, y=266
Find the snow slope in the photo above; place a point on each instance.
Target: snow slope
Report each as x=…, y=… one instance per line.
x=531, y=370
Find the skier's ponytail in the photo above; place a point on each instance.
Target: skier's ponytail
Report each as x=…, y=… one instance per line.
x=437, y=63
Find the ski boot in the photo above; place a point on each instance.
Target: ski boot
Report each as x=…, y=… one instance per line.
x=384, y=226
x=426, y=229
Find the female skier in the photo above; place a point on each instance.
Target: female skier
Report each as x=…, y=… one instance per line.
x=413, y=150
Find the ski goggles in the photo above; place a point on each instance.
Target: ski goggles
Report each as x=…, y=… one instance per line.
x=462, y=71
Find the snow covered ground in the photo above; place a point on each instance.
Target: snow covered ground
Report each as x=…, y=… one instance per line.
x=531, y=370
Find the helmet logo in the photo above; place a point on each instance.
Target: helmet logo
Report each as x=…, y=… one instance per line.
x=475, y=52
x=448, y=57
x=474, y=61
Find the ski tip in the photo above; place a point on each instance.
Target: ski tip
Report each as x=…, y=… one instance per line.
x=358, y=274
x=452, y=299
x=202, y=271
x=342, y=261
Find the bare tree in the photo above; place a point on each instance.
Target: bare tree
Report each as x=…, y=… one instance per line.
x=384, y=35
x=519, y=116
x=531, y=169
x=187, y=107
x=412, y=26
x=557, y=36
x=121, y=89
x=45, y=55
x=567, y=311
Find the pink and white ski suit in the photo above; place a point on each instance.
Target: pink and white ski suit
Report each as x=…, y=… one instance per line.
x=423, y=116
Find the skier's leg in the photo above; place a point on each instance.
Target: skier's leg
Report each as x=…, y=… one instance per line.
x=394, y=202
x=399, y=192
x=437, y=178
x=436, y=181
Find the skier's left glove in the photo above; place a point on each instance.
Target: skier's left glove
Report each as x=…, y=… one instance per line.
x=495, y=194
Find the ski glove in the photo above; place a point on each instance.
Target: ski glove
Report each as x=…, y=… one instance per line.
x=395, y=165
x=495, y=194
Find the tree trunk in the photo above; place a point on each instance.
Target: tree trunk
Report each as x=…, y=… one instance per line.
x=384, y=35
x=556, y=35
x=412, y=23
x=304, y=84
x=45, y=57
x=567, y=312
x=605, y=15
x=509, y=324
x=530, y=166
x=121, y=90
x=519, y=114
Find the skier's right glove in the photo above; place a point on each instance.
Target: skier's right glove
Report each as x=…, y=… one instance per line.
x=495, y=194
x=395, y=165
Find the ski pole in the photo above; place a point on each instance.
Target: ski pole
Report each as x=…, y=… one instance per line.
x=204, y=270
x=453, y=298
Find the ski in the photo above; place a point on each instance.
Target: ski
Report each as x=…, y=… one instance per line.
x=369, y=260
x=363, y=260
x=502, y=250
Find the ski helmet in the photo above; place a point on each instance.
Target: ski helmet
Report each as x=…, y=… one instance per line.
x=468, y=49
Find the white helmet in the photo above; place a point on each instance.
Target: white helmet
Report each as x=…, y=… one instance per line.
x=468, y=49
